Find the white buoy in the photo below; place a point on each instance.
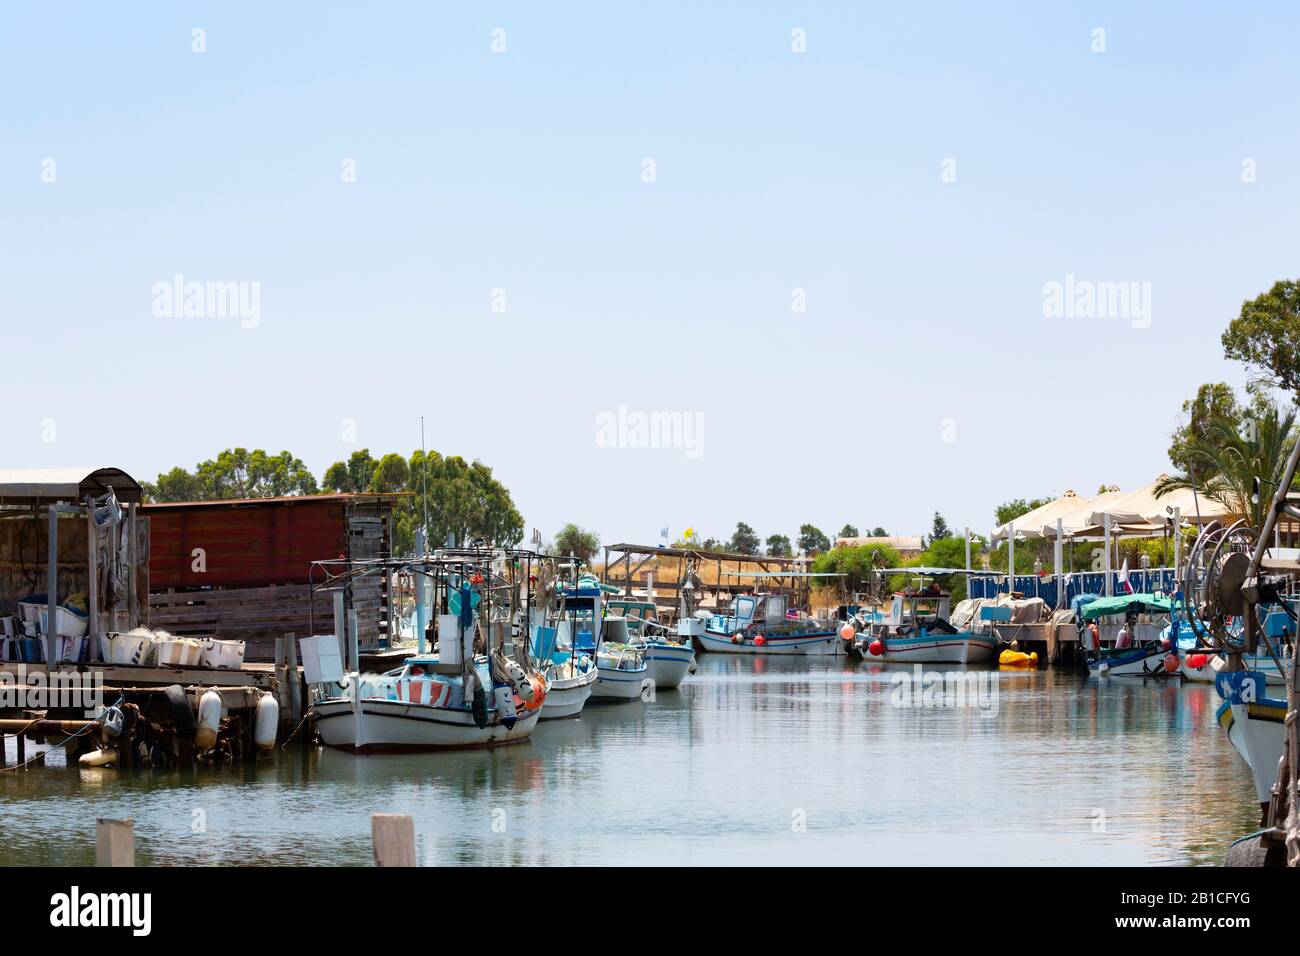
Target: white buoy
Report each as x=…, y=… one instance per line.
x=205, y=737
x=98, y=758
x=266, y=723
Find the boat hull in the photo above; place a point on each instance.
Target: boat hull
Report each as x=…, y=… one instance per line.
x=614, y=685
x=1138, y=662
x=669, y=663
x=1257, y=732
x=568, y=695
x=962, y=648
x=816, y=643
x=388, y=725
x=1205, y=673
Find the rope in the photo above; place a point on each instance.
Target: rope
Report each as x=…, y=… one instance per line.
x=44, y=753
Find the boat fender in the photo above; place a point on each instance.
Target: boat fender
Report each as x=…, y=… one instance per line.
x=266, y=723
x=1171, y=663
x=1103, y=667
x=876, y=648
x=205, y=736
x=112, y=721
x=846, y=632
x=181, y=709
x=98, y=758
x=760, y=641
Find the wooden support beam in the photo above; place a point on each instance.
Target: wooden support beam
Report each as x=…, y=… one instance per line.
x=394, y=838
x=115, y=842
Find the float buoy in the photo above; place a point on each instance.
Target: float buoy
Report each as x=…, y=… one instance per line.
x=737, y=638
x=1196, y=661
x=98, y=758
x=876, y=648
x=760, y=641
x=266, y=723
x=1171, y=663
x=205, y=737
x=846, y=632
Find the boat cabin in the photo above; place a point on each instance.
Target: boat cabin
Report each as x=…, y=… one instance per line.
x=919, y=606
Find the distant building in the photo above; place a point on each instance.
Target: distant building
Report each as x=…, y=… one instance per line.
x=907, y=546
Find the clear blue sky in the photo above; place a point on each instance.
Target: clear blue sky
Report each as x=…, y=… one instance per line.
x=522, y=171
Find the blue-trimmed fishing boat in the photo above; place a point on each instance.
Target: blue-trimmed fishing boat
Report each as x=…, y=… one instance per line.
x=761, y=624
x=916, y=630
x=1255, y=724
x=669, y=657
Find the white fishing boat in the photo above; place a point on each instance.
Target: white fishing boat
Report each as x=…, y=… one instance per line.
x=1139, y=658
x=413, y=709
x=621, y=668
x=1255, y=725
x=571, y=684
x=572, y=675
x=916, y=629
x=762, y=624
x=669, y=655
x=452, y=698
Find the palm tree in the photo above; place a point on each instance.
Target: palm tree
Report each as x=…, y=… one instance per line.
x=1227, y=456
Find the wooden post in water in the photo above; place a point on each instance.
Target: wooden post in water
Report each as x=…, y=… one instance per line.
x=394, y=838
x=295, y=684
x=115, y=842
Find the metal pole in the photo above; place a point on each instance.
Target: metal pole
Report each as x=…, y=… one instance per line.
x=52, y=593
x=1011, y=559
x=1060, y=570
x=421, y=594
x=1108, y=587
x=968, y=560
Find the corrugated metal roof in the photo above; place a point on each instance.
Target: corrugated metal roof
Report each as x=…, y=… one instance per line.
x=363, y=498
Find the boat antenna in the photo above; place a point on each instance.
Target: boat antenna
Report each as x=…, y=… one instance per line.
x=424, y=474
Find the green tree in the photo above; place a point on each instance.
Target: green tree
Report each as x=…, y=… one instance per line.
x=391, y=474
x=1266, y=336
x=811, y=539
x=856, y=564
x=744, y=541
x=879, y=532
x=352, y=476
x=778, y=546
x=1226, y=461
x=848, y=531
x=236, y=473
x=576, y=541
x=939, y=528
x=1212, y=401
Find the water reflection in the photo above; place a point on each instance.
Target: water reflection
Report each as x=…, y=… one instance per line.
x=755, y=760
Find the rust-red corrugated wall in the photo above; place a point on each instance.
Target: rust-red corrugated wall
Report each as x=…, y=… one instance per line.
x=243, y=544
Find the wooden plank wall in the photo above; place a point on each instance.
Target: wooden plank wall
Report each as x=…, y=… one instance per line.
x=260, y=613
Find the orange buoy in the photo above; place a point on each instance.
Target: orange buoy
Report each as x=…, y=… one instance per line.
x=1171, y=663
x=846, y=632
x=760, y=640
x=1196, y=661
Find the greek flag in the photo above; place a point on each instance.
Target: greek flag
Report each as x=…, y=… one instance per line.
x=663, y=533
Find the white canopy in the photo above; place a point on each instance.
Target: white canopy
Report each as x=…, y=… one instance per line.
x=1078, y=518
x=1031, y=523
x=1141, y=511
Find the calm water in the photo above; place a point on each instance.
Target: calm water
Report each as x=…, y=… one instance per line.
x=754, y=761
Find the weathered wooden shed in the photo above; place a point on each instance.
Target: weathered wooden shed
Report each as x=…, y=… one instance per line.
x=241, y=570
x=80, y=529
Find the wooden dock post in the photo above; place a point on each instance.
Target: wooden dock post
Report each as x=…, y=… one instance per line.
x=295, y=682
x=115, y=842
x=394, y=837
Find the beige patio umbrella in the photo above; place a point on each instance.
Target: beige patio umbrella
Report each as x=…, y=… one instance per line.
x=1031, y=523
x=1141, y=512
x=1078, y=519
